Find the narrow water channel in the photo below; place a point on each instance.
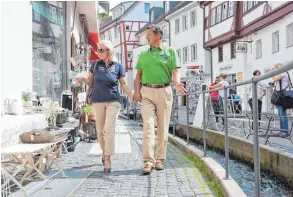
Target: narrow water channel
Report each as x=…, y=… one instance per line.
x=243, y=174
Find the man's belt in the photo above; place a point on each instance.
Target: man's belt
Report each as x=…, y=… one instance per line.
x=156, y=85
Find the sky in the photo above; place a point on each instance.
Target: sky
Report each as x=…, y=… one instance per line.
x=113, y=3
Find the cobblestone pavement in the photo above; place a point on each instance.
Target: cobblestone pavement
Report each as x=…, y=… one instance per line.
x=180, y=178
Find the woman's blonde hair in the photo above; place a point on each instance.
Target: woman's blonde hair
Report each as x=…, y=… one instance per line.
x=110, y=46
x=223, y=75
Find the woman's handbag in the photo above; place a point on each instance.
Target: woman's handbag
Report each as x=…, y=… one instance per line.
x=283, y=98
x=90, y=89
x=36, y=136
x=48, y=135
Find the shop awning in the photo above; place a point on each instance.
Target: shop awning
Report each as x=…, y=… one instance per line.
x=93, y=40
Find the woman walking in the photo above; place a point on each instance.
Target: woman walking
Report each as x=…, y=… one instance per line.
x=105, y=75
x=221, y=84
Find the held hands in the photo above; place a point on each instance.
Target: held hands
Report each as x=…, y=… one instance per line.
x=130, y=97
x=180, y=89
x=136, y=96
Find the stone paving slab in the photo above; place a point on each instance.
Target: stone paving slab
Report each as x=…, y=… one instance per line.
x=178, y=178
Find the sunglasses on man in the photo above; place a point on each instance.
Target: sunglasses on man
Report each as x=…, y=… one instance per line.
x=102, y=50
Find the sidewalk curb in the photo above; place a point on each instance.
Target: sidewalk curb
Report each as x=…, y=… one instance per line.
x=229, y=187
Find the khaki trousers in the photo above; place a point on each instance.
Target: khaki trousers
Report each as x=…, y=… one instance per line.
x=106, y=116
x=155, y=103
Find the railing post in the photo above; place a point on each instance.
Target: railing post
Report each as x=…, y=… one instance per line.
x=204, y=126
x=127, y=107
x=225, y=104
x=187, y=118
x=173, y=107
x=256, y=140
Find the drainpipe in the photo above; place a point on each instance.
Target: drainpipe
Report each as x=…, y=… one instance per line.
x=206, y=48
x=75, y=3
x=169, y=30
x=121, y=51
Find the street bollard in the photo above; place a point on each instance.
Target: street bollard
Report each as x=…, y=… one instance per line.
x=226, y=133
x=256, y=140
x=187, y=118
x=204, y=126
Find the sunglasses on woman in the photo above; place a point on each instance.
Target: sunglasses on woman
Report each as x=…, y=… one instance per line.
x=102, y=50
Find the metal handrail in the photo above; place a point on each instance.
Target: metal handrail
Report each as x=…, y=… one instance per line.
x=256, y=152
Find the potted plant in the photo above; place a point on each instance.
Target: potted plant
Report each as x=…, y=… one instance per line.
x=25, y=98
x=89, y=112
x=89, y=126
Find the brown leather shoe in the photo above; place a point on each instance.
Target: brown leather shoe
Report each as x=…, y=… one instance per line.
x=147, y=169
x=159, y=165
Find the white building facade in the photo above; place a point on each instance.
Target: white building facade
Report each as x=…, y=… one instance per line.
x=247, y=36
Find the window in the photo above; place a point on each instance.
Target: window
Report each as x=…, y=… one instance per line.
x=220, y=53
x=206, y=24
x=49, y=82
x=289, y=35
x=248, y=5
x=224, y=11
x=232, y=47
x=258, y=49
x=127, y=27
x=36, y=11
x=231, y=9
x=184, y=22
x=165, y=31
x=185, y=54
x=147, y=8
x=193, y=52
x=244, y=6
x=275, y=42
x=53, y=14
x=166, y=6
x=179, y=54
x=129, y=55
x=103, y=37
x=177, y=26
x=116, y=31
x=219, y=14
x=213, y=17
x=152, y=16
x=193, y=19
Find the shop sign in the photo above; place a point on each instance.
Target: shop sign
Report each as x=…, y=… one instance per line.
x=226, y=67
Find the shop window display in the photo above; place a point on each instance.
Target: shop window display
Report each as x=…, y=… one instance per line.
x=49, y=64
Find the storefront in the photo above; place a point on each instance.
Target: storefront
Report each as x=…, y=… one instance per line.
x=49, y=48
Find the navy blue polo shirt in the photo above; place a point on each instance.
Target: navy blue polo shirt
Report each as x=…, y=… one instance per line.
x=106, y=81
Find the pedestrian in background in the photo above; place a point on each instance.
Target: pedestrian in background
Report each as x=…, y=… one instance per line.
x=215, y=98
x=261, y=92
x=222, y=83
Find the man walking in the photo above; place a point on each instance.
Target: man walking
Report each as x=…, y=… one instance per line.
x=155, y=68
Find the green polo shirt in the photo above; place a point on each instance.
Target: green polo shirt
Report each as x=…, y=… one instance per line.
x=157, y=64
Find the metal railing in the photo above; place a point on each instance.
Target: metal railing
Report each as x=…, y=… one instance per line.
x=256, y=150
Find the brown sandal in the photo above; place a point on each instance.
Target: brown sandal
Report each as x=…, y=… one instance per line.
x=147, y=169
x=159, y=165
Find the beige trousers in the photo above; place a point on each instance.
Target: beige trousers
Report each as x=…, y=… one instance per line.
x=106, y=116
x=155, y=103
